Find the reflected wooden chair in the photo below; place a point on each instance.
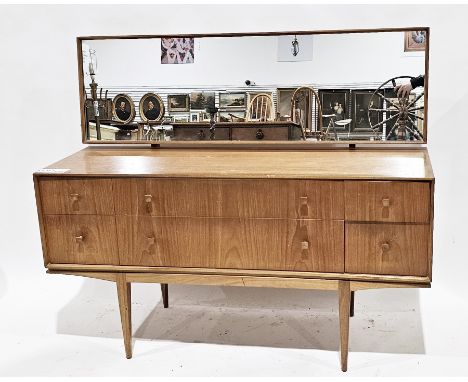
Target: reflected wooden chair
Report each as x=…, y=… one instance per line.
x=261, y=108
x=306, y=111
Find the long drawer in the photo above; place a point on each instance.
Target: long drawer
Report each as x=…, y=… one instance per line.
x=392, y=249
x=273, y=244
x=253, y=198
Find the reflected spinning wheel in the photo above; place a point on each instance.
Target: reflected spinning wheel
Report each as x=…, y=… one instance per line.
x=399, y=116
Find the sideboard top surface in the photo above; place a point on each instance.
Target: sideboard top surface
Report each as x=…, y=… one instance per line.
x=220, y=163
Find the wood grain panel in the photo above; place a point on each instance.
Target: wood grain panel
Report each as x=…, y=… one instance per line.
x=316, y=199
x=388, y=201
x=168, y=241
x=254, y=198
x=76, y=196
x=81, y=239
x=167, y=197
x=391, y=249
x=279, y=244
x=275, y=244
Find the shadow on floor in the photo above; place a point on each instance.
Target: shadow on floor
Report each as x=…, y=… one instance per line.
x=386, y=320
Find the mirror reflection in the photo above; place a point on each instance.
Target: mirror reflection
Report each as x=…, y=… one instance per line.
x=366, y=86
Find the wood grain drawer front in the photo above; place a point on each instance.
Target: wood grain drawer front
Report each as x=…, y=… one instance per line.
x=167, y=197
x=387, y=249
x=252, y=198
x=280, y=198
x=82, y=239
x=316, y=199
x=272, y=244
x=277, y=244
x=168, y=241
x=388, y=201
x=77, y=196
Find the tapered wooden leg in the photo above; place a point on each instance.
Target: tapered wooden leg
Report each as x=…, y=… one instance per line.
x=345, y=300
x=165, y=295
x=125, y=305
x=351, y=309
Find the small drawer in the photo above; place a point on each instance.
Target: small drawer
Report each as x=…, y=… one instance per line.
x=260, y=134
x=200, y=134
x=77, y=196
x=82, y=239
x=387, y=201
x=316, y=199
x=387, y=249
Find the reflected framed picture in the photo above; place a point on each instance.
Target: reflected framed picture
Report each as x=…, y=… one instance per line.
x=181, y=118
x=415, y=41
x=232, y=116
x=232, y=100
x=334, y=101
x=360, y=107
x=123, y=108
x=284, y=102
x=151, y=107
x=177, y=50
x=202, y=100
x=178, y=102
x=194, y=117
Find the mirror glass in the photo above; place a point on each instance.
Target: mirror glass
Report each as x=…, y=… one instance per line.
x=305, y=87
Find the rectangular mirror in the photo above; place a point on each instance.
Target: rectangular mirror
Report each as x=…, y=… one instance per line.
x=292, y=87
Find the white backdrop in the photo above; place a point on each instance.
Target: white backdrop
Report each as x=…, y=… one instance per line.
x=40, y=124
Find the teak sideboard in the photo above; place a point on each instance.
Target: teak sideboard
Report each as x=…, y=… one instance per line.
x=343, y=220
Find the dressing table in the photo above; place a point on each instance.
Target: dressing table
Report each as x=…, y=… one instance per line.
x=343, y=215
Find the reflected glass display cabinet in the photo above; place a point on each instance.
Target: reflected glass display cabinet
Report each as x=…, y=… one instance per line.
x=270, y=168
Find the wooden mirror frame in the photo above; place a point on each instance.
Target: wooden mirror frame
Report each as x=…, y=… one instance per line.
x=266, y=144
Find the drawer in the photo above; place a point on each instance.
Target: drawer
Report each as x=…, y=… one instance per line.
x=387, y=249
x=167, y=197
x=251, y=198
x=276, y=198
x=200, y=134
x=270, y=244
x=82, y=239
x=387, y=201
x=260, y=134
x=76, y=196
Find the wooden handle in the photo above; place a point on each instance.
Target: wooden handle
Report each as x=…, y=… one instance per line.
x=79, y=239
x=385, y=202
x=303, y=199
x=305, y=245
x=74, y=197
x=149, y=203
x=150, y=240
x=385, y=247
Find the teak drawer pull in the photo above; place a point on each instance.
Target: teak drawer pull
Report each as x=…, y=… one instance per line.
x=386, y=202
x=74, y=197
x=149, y=201
x=150, y=240
x=79, y=239
x=385, y=247
x=303, y=199
x=305, y=245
